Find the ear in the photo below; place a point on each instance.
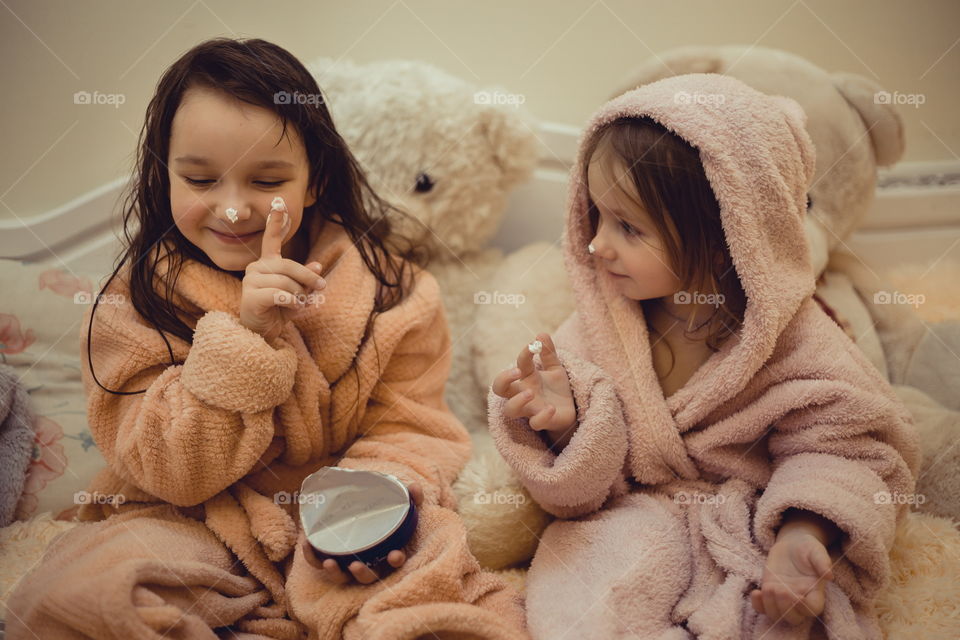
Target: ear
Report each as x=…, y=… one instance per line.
x=513, y=141
x=311, y=197
x=674, y=62
x=878, y=115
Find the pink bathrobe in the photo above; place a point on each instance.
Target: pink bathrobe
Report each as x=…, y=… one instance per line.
x=668, y=507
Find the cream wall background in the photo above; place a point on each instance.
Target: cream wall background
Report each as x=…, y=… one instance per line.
x=563, y=57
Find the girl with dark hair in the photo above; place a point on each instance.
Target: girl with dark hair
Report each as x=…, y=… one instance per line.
x=720, y=455
x=267, y=323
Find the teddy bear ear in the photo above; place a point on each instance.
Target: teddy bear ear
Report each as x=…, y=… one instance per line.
x=878, y=114
x=797, y=121
x=513, y=141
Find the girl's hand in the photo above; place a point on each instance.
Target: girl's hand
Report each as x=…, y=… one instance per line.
x=794, y=579
x=274, y=287
x=360, y=572
x=542, y=396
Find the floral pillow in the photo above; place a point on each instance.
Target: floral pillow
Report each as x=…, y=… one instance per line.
x=40, y=315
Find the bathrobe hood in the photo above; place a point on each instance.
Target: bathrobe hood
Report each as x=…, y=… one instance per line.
x=760, y=162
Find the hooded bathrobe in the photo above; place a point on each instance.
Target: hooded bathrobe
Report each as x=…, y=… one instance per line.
x=202, y=529
x=668, y=507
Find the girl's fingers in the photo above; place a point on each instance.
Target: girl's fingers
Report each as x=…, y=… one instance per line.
x=812, y=604
x=541, y=420
x=516, y=407
x=308, y=553
x=273, y=234
x=821, y=563
x=333, y=572
x=416, y=492
x=272, y=297
x=770, y=607
x=308, y=278
x=396, y=558
x=362, y=572
x=525, y=362
x=757, y=601
x=278, y=281
x=548, y=356
x=501, y=384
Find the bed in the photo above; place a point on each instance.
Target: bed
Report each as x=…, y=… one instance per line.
x=50, y=263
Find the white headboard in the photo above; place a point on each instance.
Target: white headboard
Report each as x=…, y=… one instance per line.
x=915, y=218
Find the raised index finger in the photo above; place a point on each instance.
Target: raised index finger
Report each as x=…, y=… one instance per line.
x=275, y=230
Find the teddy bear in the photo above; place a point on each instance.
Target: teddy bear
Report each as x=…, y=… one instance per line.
x=448, y=154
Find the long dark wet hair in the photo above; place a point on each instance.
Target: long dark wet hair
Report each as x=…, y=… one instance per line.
x=252, y=71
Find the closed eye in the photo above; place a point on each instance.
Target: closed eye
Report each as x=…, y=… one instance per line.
x=262, y=183
x=629, y=230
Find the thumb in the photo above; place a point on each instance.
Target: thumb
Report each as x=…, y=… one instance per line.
x=821, y=563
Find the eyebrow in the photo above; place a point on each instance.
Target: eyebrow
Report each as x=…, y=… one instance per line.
x=265, y=164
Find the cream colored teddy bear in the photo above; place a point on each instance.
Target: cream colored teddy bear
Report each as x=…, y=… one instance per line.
x=448, y=154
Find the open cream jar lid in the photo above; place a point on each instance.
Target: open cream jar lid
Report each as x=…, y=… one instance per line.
x=349, y=514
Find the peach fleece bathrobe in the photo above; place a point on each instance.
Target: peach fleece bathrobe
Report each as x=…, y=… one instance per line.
x=668, y=506
x=200, y=542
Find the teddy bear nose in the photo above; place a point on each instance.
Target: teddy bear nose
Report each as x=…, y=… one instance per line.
x=424, y=183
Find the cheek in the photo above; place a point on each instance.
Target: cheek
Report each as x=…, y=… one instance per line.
x=188, y=210
x=651, y=267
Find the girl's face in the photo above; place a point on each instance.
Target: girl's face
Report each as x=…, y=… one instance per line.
x=225, y=154
x=628, y=249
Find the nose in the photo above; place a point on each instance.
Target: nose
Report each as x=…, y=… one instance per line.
x=234, y=208
x=602, y=248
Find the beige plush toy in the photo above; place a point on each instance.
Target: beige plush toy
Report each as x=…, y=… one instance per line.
x=448, y=154
x=854, y=131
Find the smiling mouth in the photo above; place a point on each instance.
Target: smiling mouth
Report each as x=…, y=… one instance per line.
x=235, y=235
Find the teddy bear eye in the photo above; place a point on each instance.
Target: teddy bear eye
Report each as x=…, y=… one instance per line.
x=809, y=202
x=424, y=183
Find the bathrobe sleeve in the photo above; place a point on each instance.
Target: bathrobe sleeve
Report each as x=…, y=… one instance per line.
x=200, y=426
x=591, y=468
x=848, y=453
x=407, y=429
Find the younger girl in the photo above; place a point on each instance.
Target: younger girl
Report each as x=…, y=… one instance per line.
x=263, y=331
x=722, y=457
